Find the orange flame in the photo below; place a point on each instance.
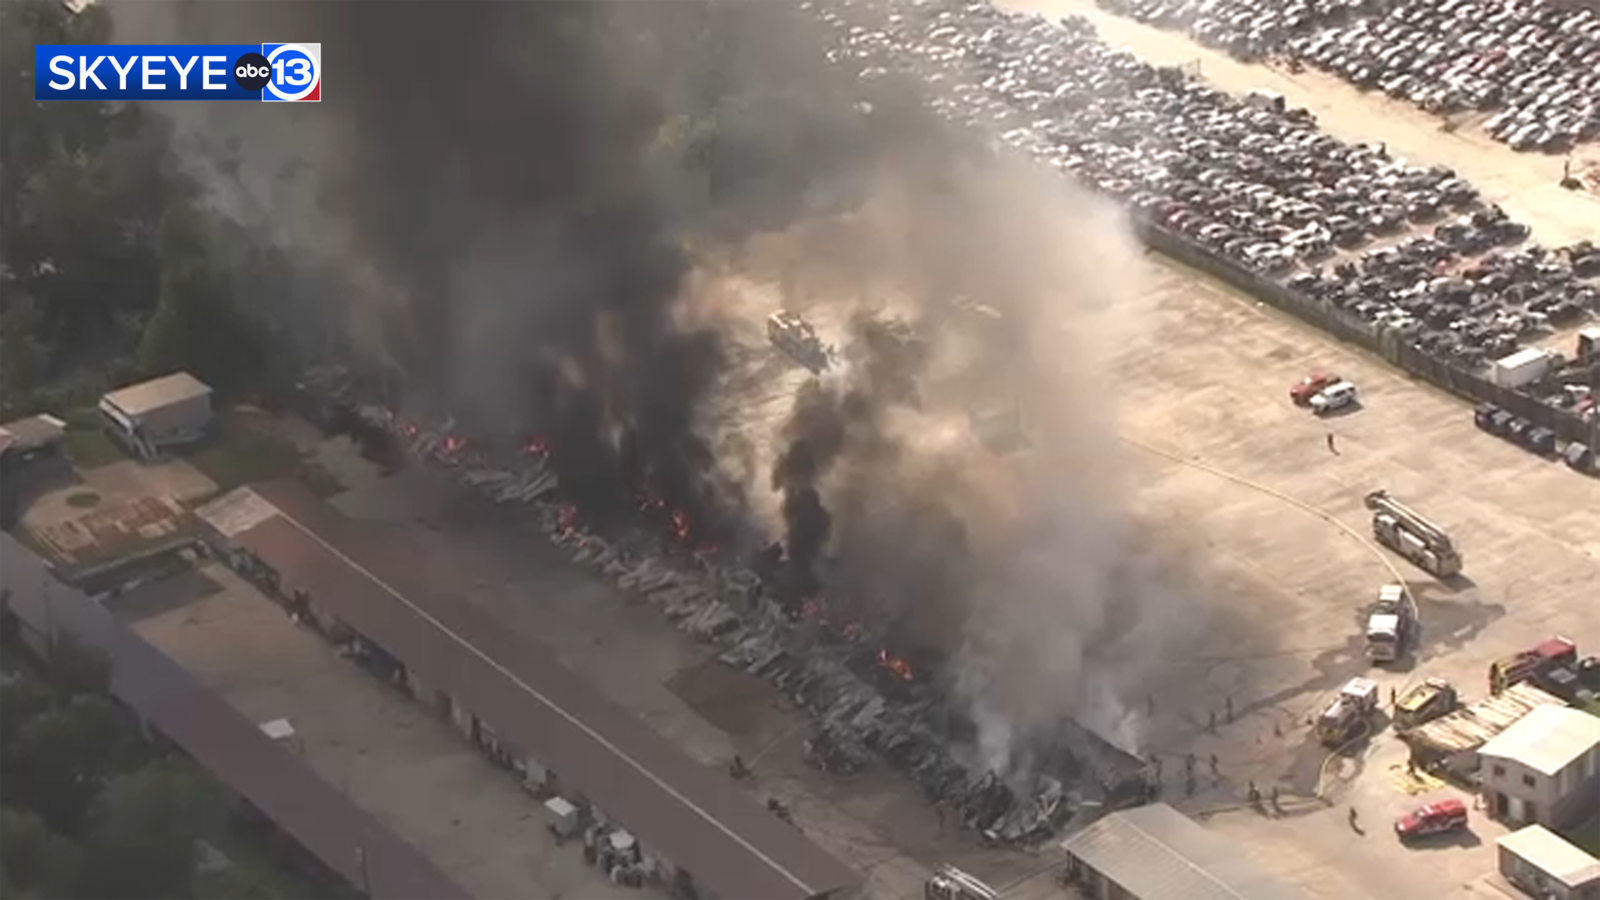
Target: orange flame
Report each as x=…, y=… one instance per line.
x=454, y=444
x=851, y=631
x=895, y=664
x=409, y=429
x=536, y=446
x=680, y=525
x=567, y=519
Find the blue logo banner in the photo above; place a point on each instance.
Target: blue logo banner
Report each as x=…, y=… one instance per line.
x=274, y=72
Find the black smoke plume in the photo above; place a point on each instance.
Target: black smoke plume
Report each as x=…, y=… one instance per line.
x=490, y=183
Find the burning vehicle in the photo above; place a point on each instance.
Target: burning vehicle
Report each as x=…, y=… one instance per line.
x=866, y=700
x=798, y=340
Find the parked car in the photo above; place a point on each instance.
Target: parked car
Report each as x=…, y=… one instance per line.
x=1442, y=817
x=1310, y=386
x=1334, y=397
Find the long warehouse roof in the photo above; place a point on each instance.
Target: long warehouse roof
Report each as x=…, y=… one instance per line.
x=226, y=744
x=1157, y=853
x=696, y=817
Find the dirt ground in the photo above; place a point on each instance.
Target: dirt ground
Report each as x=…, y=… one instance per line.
x=1526, y=184
x=390, y=755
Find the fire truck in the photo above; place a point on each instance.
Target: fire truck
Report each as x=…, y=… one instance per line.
x=1348, y=712
x=1534, y=663
x=1408, y=533
x=798, y=340
x=950, y=883
x=1389, y=624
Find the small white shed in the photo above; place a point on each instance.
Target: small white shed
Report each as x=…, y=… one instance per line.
x=1542, y=863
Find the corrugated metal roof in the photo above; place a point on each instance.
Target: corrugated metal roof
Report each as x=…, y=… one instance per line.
x=1547, y=739
x=226, y=744
x=138, y=399
x=698, y=818
x=1157, y=853
x=32, y=432
x=1551, y=854
x=1472, y=727
x=235, y=512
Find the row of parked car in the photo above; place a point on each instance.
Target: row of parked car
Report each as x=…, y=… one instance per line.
x=1535, y=64
x=1471, y=312
x=1404, y=247
x=1542, y=441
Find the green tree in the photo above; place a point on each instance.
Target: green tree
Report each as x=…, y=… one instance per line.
x=75, y=669
x=83, y=187
x=36, y=860
x=58, y=760
x=143, y=841
x=22, y=354
x=196, y=326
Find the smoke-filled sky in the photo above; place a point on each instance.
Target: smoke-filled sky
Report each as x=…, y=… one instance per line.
x=494, y=190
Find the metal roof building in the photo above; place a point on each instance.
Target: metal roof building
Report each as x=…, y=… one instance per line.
x=234, y=750
x=1547, y=739
x=1157, y=853
x=1536, y=854
x=367, y=578
x=31, y=434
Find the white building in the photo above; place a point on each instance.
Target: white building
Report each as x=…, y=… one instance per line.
x=1538, y=861
x=1545, y=769
x=164, y=412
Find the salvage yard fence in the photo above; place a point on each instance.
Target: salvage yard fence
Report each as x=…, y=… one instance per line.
x=1384, y=342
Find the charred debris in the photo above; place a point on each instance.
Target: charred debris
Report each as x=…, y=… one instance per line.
x=866, y=699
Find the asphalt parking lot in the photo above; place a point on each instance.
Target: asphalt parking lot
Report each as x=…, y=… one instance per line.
x=1286, y=588
x=389, y=754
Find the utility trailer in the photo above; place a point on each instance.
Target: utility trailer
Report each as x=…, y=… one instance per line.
x=1410, y=534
